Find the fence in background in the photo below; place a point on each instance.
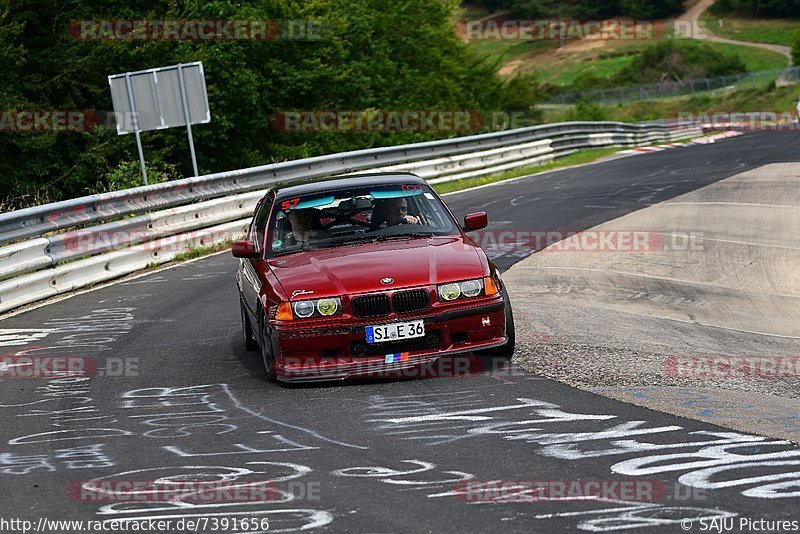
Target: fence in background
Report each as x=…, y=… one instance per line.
x=673, y=88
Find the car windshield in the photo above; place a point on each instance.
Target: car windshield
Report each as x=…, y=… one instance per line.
x=355, y=215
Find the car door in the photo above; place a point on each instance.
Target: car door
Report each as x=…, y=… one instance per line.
x=250, y=281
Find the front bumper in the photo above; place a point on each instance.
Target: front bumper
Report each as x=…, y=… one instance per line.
x=337, y=349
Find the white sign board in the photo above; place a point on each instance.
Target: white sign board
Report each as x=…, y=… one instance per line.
x=156, y=98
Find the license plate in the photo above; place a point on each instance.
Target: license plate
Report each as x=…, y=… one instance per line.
x=395, y=332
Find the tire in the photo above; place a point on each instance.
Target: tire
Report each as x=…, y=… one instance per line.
x=267, y=355
x=506, y=352
x=247, y=330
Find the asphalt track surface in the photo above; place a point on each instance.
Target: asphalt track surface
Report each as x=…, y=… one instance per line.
x=373, y=456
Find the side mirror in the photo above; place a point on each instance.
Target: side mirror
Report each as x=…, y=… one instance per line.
x=476, y=221
x=244, y=249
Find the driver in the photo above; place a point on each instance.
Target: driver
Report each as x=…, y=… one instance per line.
x=395, y=211
x=302, y=221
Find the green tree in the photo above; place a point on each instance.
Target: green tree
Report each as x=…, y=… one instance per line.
x=374, y=54
x=759, y=8
x=587, y=9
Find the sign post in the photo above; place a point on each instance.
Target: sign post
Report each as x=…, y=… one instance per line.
x=160, y=98
x=186, y=116
x=135, y=126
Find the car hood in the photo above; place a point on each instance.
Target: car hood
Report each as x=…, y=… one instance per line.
x=360, y=268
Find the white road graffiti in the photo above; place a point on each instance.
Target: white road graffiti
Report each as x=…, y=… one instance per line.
x=710, y=455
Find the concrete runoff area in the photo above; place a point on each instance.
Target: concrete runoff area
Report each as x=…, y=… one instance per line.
x=718, y=289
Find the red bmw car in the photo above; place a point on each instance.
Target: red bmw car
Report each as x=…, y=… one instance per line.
x=364, y=275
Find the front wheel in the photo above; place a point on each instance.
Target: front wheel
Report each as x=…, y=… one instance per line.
x=267, y=355
x=247, y=330
x=506, y=352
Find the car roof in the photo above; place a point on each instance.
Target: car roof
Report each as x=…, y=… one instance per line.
x=343, y=182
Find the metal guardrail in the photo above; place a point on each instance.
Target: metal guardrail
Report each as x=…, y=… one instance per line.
x=99, y=237
x=37, y=220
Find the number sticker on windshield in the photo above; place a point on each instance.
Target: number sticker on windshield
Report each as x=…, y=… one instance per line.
x=286, y=205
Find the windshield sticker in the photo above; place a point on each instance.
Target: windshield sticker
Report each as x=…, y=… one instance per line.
x=297, y=204
x=380, y=195
x=286, y=205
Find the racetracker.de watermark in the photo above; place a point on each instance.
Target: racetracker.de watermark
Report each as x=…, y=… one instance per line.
x=38, y=367
x=15, y=366
x=558, y=29
x=755, y=121
x=404, y=120
x=63, y=120
x=522, y=491
x=191, y=491
x=377, y=121
x=86, y=241
x=512, y=241
x=48, y=120
x=731, y=367
x=196, y=30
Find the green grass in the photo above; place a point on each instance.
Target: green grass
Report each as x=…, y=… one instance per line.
x=771, y=31
x=507, y=50
x=195, y=252
x=585, y=156
x=755, y=59
x=760, y=98
x=609, y=64
x=567, y=73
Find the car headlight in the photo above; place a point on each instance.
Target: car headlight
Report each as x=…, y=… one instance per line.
x=467, y=289
x=449, y=291
x=304, y=308
x=327, y=307
x=471, y=288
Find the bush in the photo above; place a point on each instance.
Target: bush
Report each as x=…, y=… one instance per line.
x=587, y=9
x=667, y=61
x=586, y=110
x=796, y=48
x=677, y=61
x=128, y=174
x=758, y=8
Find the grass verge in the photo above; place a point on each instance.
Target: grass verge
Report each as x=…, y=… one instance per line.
x=195, y=252
x=770, y=31
x=769, y=98
x=584, y=156
x=755, y=59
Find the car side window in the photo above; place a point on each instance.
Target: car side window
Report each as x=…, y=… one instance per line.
x=259, y=227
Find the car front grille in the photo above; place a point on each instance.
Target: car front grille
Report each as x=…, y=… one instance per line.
x=410, y=301
x=371, y=306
